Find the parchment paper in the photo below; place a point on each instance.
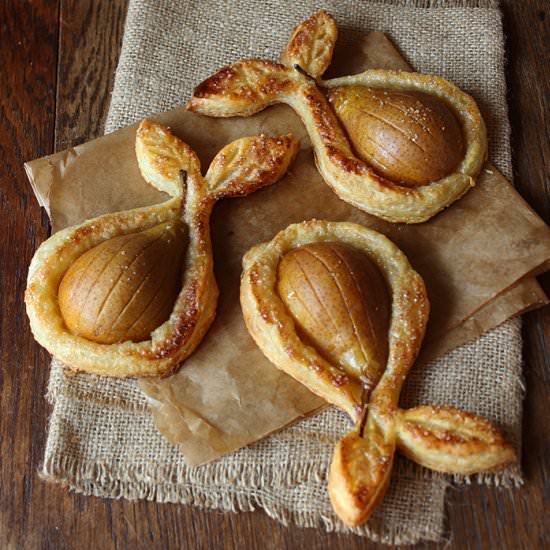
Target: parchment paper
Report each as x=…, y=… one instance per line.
x=477, y=259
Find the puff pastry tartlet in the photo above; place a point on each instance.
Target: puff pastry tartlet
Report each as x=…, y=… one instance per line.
x=133, y=293
x=417, y=141
x=338, y=307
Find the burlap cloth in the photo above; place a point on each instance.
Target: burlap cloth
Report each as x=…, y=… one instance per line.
x=102, y=440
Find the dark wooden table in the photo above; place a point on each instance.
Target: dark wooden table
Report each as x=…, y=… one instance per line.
x=57, y=61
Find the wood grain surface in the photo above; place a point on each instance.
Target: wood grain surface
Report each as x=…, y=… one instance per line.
x=58, y=58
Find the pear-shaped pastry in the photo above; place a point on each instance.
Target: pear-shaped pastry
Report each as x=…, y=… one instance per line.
x=133, y=293
x=399, y=145
x=338, y=307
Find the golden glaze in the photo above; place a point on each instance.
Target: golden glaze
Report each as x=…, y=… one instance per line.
x=408, y=137
x=447, y=439
x=311, y=44
x=171, y=166
x=273, y=328
x=442, y=438
x=248, y=86
x=124, y=288
x=340, y=303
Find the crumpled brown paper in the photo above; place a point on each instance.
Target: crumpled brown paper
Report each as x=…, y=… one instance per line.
x=477, y=259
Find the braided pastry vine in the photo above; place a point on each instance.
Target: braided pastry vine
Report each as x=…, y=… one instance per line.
x=417, y=141
x=133, y=293
x=338, y=307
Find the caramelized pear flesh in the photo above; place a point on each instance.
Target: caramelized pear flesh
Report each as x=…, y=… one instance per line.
x=410, y=138
x=124, y=288
x=340, y=304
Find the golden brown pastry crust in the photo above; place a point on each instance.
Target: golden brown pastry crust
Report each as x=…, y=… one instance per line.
x=249, y=86
x=311, y=44
x=450, y=440
x=439, y=437
x=274, y=331
x=238, y=169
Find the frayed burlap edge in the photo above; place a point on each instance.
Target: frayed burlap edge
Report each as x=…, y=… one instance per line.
x=292, y=474
x=101, y=480
x=150, y=483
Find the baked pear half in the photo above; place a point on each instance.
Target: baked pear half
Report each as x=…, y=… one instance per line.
x=131, y=294
x=399, y=145
x=338, y=307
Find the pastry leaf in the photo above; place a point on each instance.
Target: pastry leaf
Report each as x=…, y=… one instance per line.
x=311, y=44
x=451, y=440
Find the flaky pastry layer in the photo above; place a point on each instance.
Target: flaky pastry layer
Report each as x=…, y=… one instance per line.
x=273, y=329
x=170, y=165
x=248, y=86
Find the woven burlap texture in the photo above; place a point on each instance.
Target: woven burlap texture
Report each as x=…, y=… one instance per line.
x=102, y=440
